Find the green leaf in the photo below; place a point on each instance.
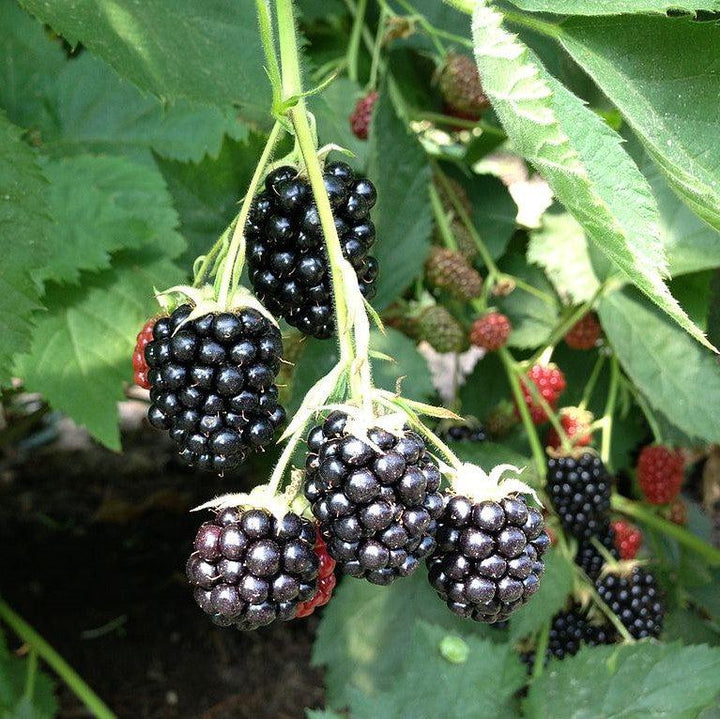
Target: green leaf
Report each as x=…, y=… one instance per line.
x=430, y=685
x=555, y=587
x=81, y=349
x=320, y=356
x=678, y=377
x=637, y=681
x=364, y=632
x=643, y=65
x=688, y=627
x=580, y=157
x=403, y=215
x=101, y=205
x=207, y=194
x=532, y=318
x=690, y=243
x=96, y=111
x=205, y=52
x=560, y=248
x=614, y=7
x=24, y=231
x=488, y=455
x=30, y=62
x=13, y=680
x=489, y=373
x=322, y=714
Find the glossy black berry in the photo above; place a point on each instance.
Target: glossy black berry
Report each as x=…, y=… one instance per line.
x=579, y=490
x=635, y=599
x=589, y=558
x=488, y=559
x=212, y=385
x=465, y=432
x=287, y=264
x=376, y=504
x=568, y=632
x=250, y=568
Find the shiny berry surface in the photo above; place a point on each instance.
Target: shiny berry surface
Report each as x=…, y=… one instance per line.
x=490, y=332
x=628, y=539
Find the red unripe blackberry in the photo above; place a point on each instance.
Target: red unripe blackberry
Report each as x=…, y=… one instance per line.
x=488, y=560
x=140, y=367
x=579, y=489
x=461, y=88
x=490, y=332
x=376, y=506
x=628, y=539
x=250, y=568
x=660, y=473
x=585, y=333
x=362, y=115
x=550, y=383
x=288, y=268
x=633, y=595
x=326, y=579
x=576, y=424
x=212, y=384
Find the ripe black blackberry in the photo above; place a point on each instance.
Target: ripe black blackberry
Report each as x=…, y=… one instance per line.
x=589, y=558
x=632, y=593
x=488, y=560
x=465, y=432
x=597, y=635
x=568, y=631
x=285, y=249
x=579, y=489
x=212, y=384
x=250, y=568
x=376, y=506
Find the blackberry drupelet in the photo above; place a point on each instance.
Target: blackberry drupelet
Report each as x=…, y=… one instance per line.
x=212, y=384
x=465, y=432
x=634, y=596
x=250, y=568
x=568, y=631
x=376, y=506
x=488, y=560
x=588, y=558
x=579, y=489
x=285, y=250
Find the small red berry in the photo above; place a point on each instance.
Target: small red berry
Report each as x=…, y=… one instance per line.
x=362, y=114
x=550, y=383
x=677, y=512
x=576, y=423
x=660, y=473
x=490, y=332
x=585, y=333
x=326, y=579
x=139, y=364
x=628, y=539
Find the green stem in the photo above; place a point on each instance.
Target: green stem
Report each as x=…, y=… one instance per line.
x=31, y=676
x=607, y=418
x=532, y=23
x=540, y=650
x=73, y=680
x=268, y=42
x=231, y=269
x=649, y=414
x=354, y=44
x=376, y=48
x=466, y=6
x=440, y=119
x=592, y=381
x=647, y=516
x=614, y=620
x=526, y=287
x=292, y=86
x=442, y=220
x=532, y=435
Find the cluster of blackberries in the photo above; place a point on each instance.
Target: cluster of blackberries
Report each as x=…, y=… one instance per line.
x=568, y=631
x=285, y=249
x=488, y=560
x=376, y=500
x=249, y=568
x=212, y=384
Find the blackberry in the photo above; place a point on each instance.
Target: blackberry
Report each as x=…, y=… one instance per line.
x=448, y=270
x=376, y=506
x=461, y=88
x=439, y=328
x=285, y=250
x=212, y=384
x=568, y=631
x=488, y=560
x=597, y=635
x=634, y=596
x=465, y=432
x=588, y=557
x=579, y=489
x=250, y=568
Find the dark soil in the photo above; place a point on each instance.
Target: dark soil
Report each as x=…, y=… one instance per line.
x=94, y=548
